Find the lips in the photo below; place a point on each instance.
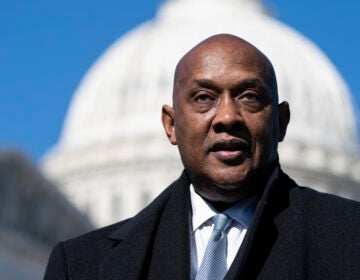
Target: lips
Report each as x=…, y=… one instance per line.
x=230, y=151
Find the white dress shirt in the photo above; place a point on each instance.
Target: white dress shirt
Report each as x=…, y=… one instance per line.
x=202, y=227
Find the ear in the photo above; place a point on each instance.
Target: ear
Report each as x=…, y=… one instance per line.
x=284, y=118
x=167, y=118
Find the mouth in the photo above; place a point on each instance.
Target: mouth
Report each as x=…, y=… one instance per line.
x=231, y=151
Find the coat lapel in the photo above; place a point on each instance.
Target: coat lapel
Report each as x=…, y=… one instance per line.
x=171, y=253
x=129, y=256
x=263, y=231
x=155, y=243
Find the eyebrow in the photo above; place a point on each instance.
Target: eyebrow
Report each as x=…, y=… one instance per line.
x=206, y=83
x=252, y=82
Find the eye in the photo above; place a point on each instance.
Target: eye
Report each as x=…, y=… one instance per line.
x=250, y=96
x=251, y=101
x=204, y=97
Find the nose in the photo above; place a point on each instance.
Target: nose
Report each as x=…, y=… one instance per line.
x=227, y=114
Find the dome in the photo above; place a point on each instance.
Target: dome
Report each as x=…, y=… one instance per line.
x=114, y=116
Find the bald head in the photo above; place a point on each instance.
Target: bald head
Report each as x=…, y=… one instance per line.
x=228, y=48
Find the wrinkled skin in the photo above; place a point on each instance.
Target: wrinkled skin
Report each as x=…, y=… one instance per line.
x=226, y=119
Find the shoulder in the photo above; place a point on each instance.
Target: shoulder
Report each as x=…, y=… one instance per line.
x=153, y=209
x=83, y=255
x=100, y=239
x=80, y=254
x=88, y=247
x=94, y=236
x=320, y=200
x=314, y=201
x=323, y=208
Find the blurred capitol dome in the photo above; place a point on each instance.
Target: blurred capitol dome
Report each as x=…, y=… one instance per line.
x=113, y=156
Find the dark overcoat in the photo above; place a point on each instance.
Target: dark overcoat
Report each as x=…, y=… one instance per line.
x=296, y=233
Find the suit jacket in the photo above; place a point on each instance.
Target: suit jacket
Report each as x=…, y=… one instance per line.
x=296, y=233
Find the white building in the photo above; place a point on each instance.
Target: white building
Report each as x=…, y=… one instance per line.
x=113, y=156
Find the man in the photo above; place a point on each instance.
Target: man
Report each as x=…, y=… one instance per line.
x=226, y=122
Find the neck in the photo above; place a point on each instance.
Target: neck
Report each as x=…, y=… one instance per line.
x=254, y=187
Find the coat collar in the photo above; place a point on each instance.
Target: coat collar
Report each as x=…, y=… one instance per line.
x=159, y=250
x=264, y=228
x=162, y=250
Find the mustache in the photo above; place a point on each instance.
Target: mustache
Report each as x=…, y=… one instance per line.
x=229, y=144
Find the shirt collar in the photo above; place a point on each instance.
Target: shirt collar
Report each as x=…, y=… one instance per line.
x=202, y=211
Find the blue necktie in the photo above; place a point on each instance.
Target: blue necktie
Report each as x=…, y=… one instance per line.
x=213, y=265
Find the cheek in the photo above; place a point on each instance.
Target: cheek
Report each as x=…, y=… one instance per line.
x=188, y=134
x=194, y=125
x=262, y=132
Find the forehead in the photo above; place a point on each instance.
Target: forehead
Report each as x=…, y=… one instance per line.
x=223, y=58
x=213, y=58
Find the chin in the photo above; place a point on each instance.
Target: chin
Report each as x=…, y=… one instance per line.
x=236, y=182
x=232, y=179
x=231, y=195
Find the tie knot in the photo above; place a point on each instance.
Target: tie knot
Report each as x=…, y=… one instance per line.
x=221, y=222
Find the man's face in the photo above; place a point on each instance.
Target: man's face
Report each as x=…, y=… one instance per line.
x=225, y=119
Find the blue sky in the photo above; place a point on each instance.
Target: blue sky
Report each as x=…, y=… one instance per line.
x=47, y=46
